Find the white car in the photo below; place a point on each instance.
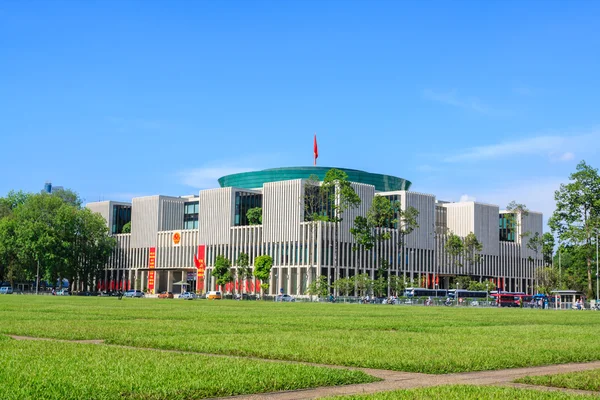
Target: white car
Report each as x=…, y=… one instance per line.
x=134, y=293
x=6, y=290
x=285, y=298
x=187, y=296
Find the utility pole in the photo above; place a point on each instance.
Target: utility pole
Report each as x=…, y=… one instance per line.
x=559, y=267
x=597, y=284
x=37, y=276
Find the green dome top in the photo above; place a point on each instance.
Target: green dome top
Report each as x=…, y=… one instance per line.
x=256, y=179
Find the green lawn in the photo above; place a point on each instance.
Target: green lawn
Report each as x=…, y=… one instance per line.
x=55, y=370
x=585, y=380
x=419, y=339
x=465, y=392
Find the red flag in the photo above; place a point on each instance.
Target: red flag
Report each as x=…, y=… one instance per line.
x=316, y=149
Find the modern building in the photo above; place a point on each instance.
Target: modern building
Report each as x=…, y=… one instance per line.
x=173, y=238
x=48, y=188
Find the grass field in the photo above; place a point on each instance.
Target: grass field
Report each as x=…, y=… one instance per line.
x=465, y=392
x=59, y=370
x=585, y=380
x=419, y=339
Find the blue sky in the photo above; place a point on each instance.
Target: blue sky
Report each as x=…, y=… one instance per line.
x=492, y=101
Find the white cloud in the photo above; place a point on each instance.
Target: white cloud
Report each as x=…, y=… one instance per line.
x=207, y=177
x=566, y=156
x=556, y=147
x=466, y=197
x=467, y=103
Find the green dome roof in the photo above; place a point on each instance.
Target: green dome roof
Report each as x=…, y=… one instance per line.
x=256, y=179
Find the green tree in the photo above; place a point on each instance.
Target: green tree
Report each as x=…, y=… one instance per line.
x=363, y=284
x=262, y=270
x=89, y=249
x=548, y=279
x=12, y=200
x=548, y=248
x=380, y=286
x=11, y=267
x=463, y=282
x=244, y=272
x=472, y=249
x=222, y=270
x=454, y=248
x=344, y=286
x=57, y=235
x=336, y=184
x=127, y=227
x=481, y=286
x=576, y=218
x=254, y=216
x=68, y=196
x=397, y=285
x=374, y=229
x=318, y=287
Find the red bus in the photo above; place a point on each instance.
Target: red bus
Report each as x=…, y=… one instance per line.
x=509, y=299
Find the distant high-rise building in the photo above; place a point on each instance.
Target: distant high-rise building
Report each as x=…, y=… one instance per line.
x=48, y=188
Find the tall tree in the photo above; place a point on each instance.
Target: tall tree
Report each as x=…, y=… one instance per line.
x=548, y=248
x=576, y=218
x=454, y=248
x=222, y=270
x=244, y=271
x=262, y=270
x=344, y=286
x=472, y=249
x=344, y=197
x=12, y=200
x=315, y=203
x=319, y=287
x=374, y=229
x=548, y=279
x=68, y=196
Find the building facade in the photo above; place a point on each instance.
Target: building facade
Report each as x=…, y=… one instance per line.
x=170, y=235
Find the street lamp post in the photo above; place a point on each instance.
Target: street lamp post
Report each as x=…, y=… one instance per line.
x=597, y=283
x=37, y=276
x=559, y=266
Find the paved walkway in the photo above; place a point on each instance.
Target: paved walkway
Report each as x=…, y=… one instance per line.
x=392, y=380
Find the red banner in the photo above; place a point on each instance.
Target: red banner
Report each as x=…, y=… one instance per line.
x=151, y=266
x=199, y=260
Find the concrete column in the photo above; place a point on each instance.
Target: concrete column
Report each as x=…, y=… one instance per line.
x=169, y=281
x=156, y=281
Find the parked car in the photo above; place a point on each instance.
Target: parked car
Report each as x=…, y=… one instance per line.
x=134, y=293
x=214, y=295
x=286, y=298
x=187, y=296
x=87, y=293
x=6, y=290
x=165, y=295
